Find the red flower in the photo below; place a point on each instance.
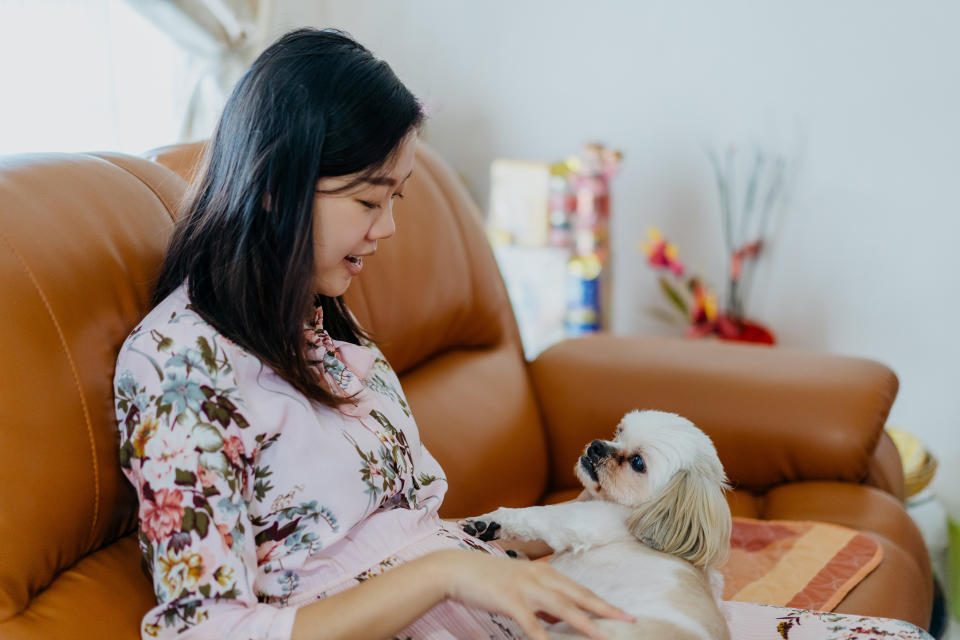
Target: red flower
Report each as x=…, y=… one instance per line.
x=265, y=551
x=233, y=448
x=225, y=535
x=207, y=478
x=704, y=309
x=163, y=515
x=661, y=253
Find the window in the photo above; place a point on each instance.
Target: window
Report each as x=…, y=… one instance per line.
x=85, y=76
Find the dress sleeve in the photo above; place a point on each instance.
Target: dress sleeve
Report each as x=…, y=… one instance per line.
x=188, y=449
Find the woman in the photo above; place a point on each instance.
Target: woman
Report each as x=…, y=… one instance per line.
x=276, y=462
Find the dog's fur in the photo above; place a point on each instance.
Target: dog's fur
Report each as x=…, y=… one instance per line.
x=647, y=534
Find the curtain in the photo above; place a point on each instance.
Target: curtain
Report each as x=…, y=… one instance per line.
x=222, y=37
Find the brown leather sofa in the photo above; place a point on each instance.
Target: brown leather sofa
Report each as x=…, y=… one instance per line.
x=81, y=238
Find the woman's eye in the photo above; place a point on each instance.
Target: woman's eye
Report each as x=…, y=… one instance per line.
x=398, y=196
x=369, y=205
x=638, y=465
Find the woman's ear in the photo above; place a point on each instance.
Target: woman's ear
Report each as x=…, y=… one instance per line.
x=690, y=518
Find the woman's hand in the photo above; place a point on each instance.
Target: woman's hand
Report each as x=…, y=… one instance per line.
x=522, y=590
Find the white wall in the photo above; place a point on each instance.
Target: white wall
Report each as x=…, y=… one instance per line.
x=866, y=93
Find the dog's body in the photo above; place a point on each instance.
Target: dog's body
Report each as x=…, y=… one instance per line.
x=648, y=533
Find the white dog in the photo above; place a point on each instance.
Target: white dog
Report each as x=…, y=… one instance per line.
x=647, y=534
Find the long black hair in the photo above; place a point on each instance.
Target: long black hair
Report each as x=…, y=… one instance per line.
x=314, y=104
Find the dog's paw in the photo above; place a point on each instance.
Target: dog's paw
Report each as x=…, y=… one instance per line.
x=486, y=530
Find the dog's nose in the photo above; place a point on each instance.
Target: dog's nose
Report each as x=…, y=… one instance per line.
x=597, y=449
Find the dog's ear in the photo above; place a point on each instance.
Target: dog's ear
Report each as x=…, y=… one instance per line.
x=690, y=518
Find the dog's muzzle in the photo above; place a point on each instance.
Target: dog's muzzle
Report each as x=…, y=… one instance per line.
x=591, y=468
x=589, y=460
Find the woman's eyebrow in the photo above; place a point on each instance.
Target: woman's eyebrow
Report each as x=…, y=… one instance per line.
x=385, y=180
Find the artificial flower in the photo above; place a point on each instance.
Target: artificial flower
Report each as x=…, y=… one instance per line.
x=704, y=308
x=661, y=253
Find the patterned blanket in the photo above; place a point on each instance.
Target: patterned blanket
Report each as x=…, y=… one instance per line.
x=807, y=565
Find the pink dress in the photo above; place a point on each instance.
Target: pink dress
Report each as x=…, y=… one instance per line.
x=255, y=501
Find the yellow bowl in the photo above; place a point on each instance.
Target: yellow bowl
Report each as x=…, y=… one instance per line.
x=919, y=465
x=916, y=481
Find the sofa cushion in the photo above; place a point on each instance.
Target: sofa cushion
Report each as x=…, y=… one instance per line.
x=103, y=596
x=789, y=563
x=882, y=517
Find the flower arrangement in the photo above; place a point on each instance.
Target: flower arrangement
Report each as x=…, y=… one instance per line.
x=744, y=230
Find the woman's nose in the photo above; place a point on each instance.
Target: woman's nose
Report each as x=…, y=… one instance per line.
x=384, y=226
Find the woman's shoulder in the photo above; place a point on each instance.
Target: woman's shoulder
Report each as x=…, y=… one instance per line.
x=173, y=327
x=173, y=314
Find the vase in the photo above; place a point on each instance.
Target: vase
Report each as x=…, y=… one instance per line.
x=742, y=330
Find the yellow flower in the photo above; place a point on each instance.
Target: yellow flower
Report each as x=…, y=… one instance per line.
x=704, y=304
x=654, y=238
x=143, y=433
x=180, y=571
x=661, y=253
x=710, y=306
x=224, y=575
x=151, y=629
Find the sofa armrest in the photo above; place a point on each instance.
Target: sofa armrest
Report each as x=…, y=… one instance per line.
x=886, y=469
x=776, y=415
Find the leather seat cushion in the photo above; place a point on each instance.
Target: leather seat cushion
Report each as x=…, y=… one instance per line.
x=89, y=591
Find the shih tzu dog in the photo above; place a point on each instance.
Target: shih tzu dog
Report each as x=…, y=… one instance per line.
x=647, y=534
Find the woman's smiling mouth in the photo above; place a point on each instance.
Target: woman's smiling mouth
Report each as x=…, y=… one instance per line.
x=354, y=263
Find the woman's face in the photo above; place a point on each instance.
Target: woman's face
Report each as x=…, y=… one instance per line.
x=347, y=226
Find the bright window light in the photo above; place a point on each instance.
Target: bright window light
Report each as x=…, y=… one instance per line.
x=88, y=75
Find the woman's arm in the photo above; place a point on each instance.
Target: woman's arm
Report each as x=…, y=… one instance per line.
x=385, y=604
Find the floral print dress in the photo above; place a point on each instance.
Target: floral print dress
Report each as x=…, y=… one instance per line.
x=255, y=501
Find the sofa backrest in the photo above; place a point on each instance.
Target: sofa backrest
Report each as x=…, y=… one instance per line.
x=81, y=237
x=434, y=301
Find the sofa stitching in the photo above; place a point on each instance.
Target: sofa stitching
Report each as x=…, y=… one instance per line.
x=76, y=379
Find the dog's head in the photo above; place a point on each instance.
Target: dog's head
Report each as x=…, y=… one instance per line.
x=668, y=472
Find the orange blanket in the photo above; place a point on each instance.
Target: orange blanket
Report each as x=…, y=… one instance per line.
x=809, y=565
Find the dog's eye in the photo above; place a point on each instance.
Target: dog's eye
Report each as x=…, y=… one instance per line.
x=638, y=465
